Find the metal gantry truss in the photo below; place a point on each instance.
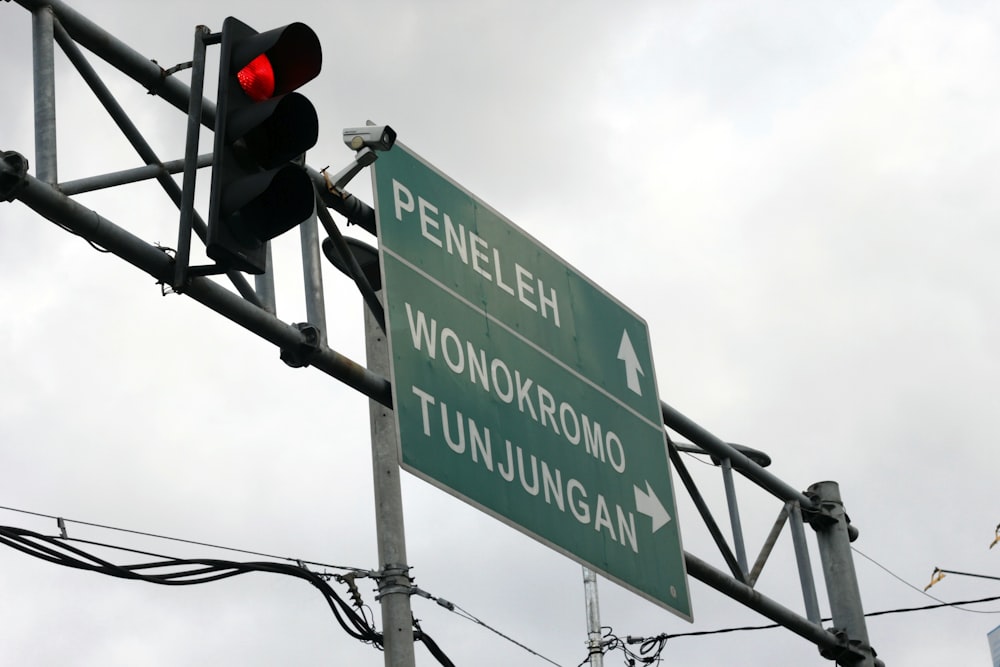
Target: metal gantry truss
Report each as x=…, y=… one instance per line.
x=301, y=344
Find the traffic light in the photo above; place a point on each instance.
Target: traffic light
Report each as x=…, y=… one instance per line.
x=259, y=187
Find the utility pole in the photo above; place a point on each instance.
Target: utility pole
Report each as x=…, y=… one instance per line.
x=394, y=584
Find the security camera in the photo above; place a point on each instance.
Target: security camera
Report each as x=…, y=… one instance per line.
x=378, y=137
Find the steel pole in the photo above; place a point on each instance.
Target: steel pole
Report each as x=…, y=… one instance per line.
x=191, y=158
x=312, y=276
x=42, y=24
x=264, y=284
x=594, y=646
x=394, y=585
x=833, y=539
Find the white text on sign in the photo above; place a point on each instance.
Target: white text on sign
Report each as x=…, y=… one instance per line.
x=515, y=388
x=537, y=477
x=455, y=239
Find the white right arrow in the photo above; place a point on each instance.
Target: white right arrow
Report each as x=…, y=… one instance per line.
x=647, y=503
x=632, y=368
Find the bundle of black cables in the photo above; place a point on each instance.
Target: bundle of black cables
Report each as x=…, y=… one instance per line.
x=188, y=571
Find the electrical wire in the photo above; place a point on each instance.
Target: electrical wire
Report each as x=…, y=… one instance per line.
x=458, y=611
x=170, y=571
x=75, y=233
x=56, y=550
x=346, y=579
x=658, y=642
x=771, y=626
x=177, y=539
x=922, y=591
x=650, y=649
x=433, y=648
x=697, y=458
x=614, y=642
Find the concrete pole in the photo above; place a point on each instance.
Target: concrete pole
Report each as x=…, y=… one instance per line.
x=394, y=587
x=833, y=539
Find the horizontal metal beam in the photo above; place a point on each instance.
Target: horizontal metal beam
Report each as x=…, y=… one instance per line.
x=755, y=455
x=356, y=211
x=741, y=462
x=57, y=207
x=750, y=597
x=126, y=176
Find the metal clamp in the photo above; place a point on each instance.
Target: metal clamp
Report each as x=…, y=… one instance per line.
x=826, y=514
x=300, y=355
x=389, y=584
x=850, y=651
x=12, y=175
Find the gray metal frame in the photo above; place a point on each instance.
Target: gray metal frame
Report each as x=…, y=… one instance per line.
x=304, y=344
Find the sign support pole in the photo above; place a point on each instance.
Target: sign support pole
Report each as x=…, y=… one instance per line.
x=394, y=585
x=594, y=647
x=833, y=537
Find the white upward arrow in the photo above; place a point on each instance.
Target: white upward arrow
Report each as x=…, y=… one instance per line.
x=632, y=368
x=647, y=503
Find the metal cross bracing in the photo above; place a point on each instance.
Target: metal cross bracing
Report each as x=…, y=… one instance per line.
x=304, y=344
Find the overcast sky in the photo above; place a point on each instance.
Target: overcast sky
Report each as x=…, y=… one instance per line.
x=799, y=198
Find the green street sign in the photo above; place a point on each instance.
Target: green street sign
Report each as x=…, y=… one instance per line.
x=520, y=386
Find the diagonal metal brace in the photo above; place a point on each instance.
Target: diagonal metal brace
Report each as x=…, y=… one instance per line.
x=706, y=514
x=768, y=546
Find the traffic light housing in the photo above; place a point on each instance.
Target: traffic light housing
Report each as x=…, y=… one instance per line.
x=260, y=188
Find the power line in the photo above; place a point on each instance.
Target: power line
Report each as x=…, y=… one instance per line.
x=959, y=605
x=450, y=606
x=455, y=609
x=922, y=591
x=176, y=539
x=770, y=626
x=650, y=649
x=169, y=571
x=613, y=641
